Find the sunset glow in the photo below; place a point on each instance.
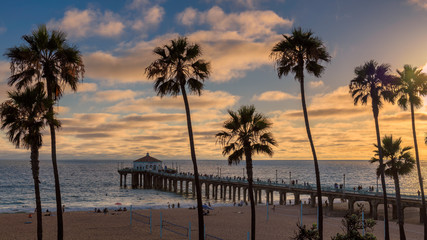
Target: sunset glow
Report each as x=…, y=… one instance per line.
x=116, y=114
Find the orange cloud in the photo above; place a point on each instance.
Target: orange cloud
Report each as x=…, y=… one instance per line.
x=274, y=96
x=249, y=24
x=234, y=44
x=83, y=23
x=208, y=100
x=315, y=84
x=418, y=3
x=114, y=95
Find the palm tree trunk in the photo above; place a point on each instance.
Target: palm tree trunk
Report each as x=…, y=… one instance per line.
x=420, y=178
x=316, y=164
x=399, y=207
x=380, y=157
x=60, y=227
x=250, y=190
x=196, y=172
x=35, y=170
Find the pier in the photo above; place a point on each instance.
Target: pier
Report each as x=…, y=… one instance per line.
x=236, y=189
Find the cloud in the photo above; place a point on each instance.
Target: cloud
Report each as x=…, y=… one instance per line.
x=234, y=44
x=208, y=100
x=114, y=95
x=105, y=66
x=245, y=3
x=4, y=74
x=82, y=88
x=315, y=84
x=274, y=96
x=337, y=104
x=151, y=18
x=188, y=16
x=87, y=87
x=90, y=22
x=419, y=3
x=62, y=109
x=4, y=71
x=2, y=29
x=249, y=24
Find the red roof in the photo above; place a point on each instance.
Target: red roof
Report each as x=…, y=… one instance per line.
x=147, y=158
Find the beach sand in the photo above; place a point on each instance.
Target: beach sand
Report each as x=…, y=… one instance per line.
x=223, y=222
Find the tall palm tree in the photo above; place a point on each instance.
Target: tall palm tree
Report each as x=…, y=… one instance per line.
x=179, y=66
x=24, y=115
x=297, y=53
x=246, y=133
x=374, y=81
x=398, y=162
x=47, y=57
x=411, y=86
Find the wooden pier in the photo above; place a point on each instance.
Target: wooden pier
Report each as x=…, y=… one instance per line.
x=235, y=190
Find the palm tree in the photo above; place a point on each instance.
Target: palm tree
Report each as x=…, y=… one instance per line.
x=46, y=56
x=412, y=85
x=399, y=162
x=179, y=66
x=298, y=53
x=24, y=115
x=374, y=81
x=246, y=133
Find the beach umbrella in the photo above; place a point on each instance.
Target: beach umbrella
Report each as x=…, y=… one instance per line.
x=207, y=207
x=117, y=203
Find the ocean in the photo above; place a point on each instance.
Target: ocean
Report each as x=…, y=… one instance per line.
x=89, y=184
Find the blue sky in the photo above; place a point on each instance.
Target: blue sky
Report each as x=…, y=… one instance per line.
x=116, y=115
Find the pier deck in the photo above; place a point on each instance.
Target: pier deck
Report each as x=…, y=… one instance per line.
x=235, y=189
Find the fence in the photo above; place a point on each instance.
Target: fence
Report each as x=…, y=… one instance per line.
x=175, y=228
x=141, y=218
x=166, y=225
x=207, y=237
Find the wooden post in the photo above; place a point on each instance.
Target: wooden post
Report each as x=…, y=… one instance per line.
x=297, y=198
x=193, y=189
x=238, y=193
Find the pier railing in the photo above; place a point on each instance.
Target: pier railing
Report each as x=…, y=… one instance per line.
x=263, y=183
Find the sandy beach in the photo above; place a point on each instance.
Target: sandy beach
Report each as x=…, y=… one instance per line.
x=223, y=222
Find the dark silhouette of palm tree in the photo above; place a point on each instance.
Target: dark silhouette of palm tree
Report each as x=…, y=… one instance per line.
x=47, y=57
x=25, y=115
x=374, y=81
x=297, y=53
x=398, y=162
x=179, y=66
x=246, y=133
x=411, y=86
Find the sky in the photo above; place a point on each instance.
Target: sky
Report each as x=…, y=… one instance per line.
x=115, y=114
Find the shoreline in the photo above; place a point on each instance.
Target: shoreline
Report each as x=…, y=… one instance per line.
x=223, y=222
